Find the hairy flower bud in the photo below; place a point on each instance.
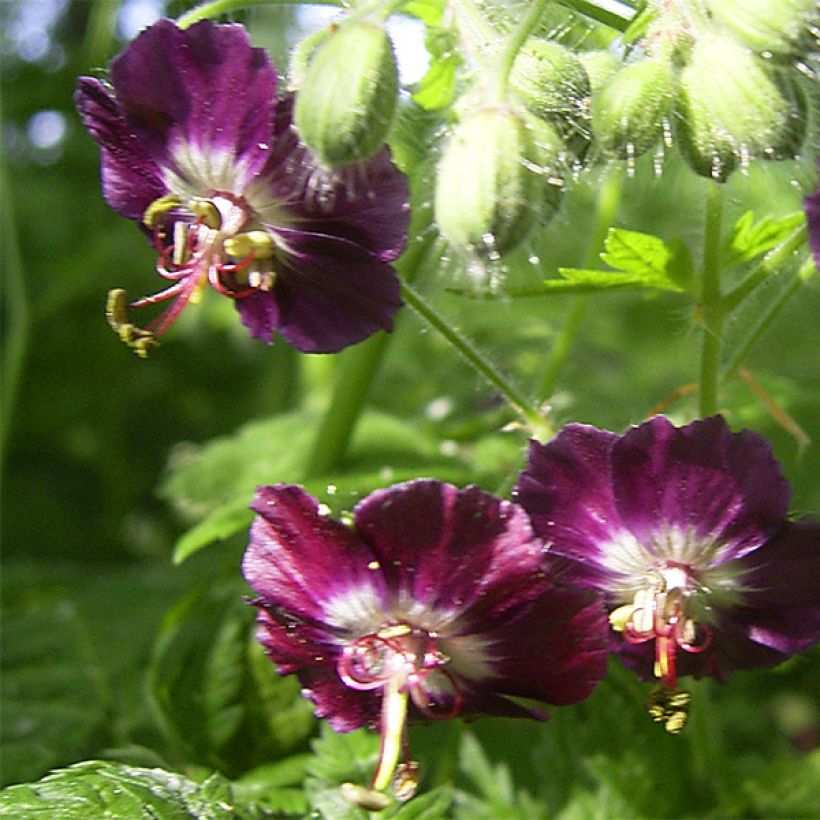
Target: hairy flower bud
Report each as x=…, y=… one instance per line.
x=345, y=106
x=552, y=83
x=628, y=112
x=599, y=65
x=486, y=187
x=782, y=28
x=732, y=108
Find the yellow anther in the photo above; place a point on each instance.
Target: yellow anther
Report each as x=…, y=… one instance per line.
x=158, y=208
x=396, y=631
x=258, y=243
x=205, y=210
x=142, y=342
x=621, y=616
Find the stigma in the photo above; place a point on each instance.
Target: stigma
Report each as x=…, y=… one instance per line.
x=200, y=242
x=664, y=610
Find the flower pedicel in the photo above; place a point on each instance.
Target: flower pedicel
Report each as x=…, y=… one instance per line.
x=198, y=148
x=684, y=530
x=434, y=601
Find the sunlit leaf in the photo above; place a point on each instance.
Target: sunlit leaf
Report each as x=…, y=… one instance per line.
x=750, y=238
x=101, y=789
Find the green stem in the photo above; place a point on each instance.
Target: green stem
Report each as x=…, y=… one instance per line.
x=215, y=8
x=807, y=269
x=541, y=428
x=357, y=370
x=609, y=200
x=710, y=302
x=15, y=337
x=772, y=261
x=513, y=45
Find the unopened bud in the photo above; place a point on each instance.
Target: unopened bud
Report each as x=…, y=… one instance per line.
x=599, y=65
x=485, y=187
x=552, y=83
x=345, y=106
x=779, y=28
x=629, y=111
x=732, y=108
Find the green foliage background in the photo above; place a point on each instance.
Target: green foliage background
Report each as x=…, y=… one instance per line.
x=113, y=652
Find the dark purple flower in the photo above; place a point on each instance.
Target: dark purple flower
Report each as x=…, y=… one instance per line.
x=198, y=148
x=684, y=530
x=435, y=598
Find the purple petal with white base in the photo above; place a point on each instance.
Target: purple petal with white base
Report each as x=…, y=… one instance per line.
x=199, y=149
x=684, y=531
x=435, y=593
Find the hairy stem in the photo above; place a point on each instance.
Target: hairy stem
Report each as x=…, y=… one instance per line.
x=710, y=303
x=513, y=45
x=609, y=200
x=523, y=406
x=807, y=269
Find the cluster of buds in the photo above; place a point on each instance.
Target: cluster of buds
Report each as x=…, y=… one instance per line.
x=708, y=76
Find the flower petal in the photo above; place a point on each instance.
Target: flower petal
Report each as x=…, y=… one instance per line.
x=366, y=203
x=329, y=293
x=202, y=92
x=811, y=205
x=131, y=179
x=305, y=651
x=448, y=549
x=567, y=491
x=726, y=488
x=554, y=649
x=300, y=561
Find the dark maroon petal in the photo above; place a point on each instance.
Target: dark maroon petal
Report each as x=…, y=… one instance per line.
x=131, y=180
x=724, y=487
x=366, y=204
x=204, y=87
x=553, y=649
x=329, y=294
x=345, y=709
x=567, y=491
x=781, y=590
x=299, y=560
x=260, y=314
x=449, y=549
x=811, y=205
x=306, y=652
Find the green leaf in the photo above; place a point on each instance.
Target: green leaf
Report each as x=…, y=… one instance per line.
x=54, y=703
x=217, y=482
x=428, y=11
x=216, y=697
x=643, y=255
x=436, y=88
x=750, y=239
x=96, y=789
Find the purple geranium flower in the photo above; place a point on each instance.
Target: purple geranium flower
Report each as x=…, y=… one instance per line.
x=684, y=530
x=198, y=147
x=435, y=597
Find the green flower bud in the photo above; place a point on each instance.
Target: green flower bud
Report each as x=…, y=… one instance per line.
x=551, y=161
x=600, y=66
x=732, y=108
x=345, y=106
x=486, y=188
x=629, y=112
x=552, y=83
x=782, y=28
